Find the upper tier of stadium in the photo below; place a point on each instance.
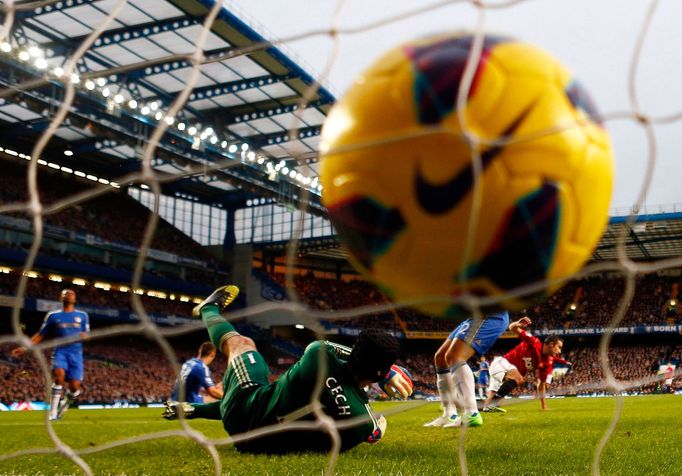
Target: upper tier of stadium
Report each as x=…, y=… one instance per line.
x=254, y=109
x=254, y=114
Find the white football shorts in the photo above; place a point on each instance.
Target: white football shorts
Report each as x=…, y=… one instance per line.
x=498, y=369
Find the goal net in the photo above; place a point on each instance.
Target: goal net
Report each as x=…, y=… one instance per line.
x=628, y=61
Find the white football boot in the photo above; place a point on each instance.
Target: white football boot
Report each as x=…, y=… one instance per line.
x=441, y=421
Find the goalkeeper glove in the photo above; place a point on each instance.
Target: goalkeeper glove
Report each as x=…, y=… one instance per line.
x=379, y=430
x=173, y=409
x=398, y=381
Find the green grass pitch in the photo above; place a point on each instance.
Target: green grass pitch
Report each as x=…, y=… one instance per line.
x=525, y=441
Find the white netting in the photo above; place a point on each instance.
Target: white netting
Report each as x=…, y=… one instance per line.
x=36, y=211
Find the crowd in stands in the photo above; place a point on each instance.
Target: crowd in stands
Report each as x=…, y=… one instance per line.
x=423, y=372
x=136, y=372
x=640, y=366
x=118, y=260
x=330, y=295
x=595, y=301
x=139, y=372
x=88, y=295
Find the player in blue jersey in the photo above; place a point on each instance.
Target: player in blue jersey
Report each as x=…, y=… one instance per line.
x=195, y=375
x=67, y=359
x=454, y=378
x=483, y=378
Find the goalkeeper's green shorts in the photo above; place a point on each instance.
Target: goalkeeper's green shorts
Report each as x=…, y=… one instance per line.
x=246, y=373
x=250, y=402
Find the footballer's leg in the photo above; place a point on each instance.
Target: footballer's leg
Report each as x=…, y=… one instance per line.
x=457, y=357
x=446, y=388
x=58, y=381
x=221, y=332
x=74, y=376
x=512, y=379
x=488, y=400
x=504, y=377
x=478, y=337
x=247, y=373
x=498, y=373
x=219, y=329
x=246, y=367
x=71, y=395
x=209, y=411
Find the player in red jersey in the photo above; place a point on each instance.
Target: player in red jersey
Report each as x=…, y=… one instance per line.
x=507, y=372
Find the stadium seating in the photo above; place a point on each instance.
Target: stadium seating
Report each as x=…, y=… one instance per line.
x=598, y=298
x=43, y=288
x=113, y=216
x=137, y=371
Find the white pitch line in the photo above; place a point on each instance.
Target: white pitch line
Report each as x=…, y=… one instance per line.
x=89, y=423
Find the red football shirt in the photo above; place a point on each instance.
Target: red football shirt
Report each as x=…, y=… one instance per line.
x=528, y=356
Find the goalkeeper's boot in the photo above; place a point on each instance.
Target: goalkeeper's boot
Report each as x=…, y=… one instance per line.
x=221, y=297
x=173, y=409
x=475, y=419
x=454, y=422
x=441, y=421
x=494, y=409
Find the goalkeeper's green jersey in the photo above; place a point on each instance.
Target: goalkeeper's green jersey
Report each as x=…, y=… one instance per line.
x=250, y=401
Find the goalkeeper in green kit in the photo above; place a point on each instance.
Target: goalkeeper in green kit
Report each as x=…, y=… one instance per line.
x=250, y=401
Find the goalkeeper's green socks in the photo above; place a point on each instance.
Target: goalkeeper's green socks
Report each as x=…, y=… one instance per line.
x=210, y=411
x=217, y=326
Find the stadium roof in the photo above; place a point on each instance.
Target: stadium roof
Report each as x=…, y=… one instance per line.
x=649, y=237
x=247, y=107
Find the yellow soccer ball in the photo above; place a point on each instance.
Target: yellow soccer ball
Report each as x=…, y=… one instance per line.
x=398, y=173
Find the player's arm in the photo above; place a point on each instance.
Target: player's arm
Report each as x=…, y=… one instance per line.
x=380, y=425
x=519, y=326
x=85, y=327
x=542, y=391
x=340, y=351
x=215, y=391
x=303, y=375
x=397, y=382
x=211, y=388
x=36, y=339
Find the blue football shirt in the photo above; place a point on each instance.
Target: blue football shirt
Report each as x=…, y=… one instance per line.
x=65, y=324
x=484, y=368
x=195, y=375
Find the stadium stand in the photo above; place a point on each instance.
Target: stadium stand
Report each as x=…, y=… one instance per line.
x=134, y=371
x=124, y=370
x=90, y=296
x=105, y=236
x=113, y=217
x=113, y=376
x=594, y=300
